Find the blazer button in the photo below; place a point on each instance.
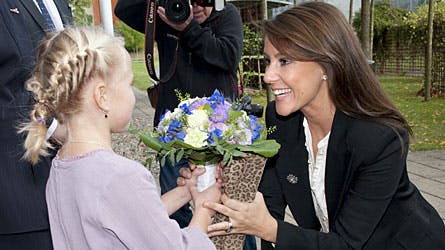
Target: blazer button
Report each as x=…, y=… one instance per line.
x=292, y=179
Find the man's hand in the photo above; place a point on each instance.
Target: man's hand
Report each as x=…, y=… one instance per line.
x=176, y=26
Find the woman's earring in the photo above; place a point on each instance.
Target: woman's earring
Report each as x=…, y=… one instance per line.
x=324, y=77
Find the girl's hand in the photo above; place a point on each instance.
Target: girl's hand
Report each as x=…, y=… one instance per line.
x=192, y=170
x=247, y=218
x=211, y=194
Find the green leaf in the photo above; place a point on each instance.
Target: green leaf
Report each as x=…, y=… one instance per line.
x=237, y=153
x=226, y=158
x=150, y=141
x=171, y=157
x=266, y=148
x=180, y=155
x=163, y=161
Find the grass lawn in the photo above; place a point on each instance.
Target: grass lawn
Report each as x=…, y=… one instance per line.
x=141, y=80
x=426, y=118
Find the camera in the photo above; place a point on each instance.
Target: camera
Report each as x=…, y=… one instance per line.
x=245, y=103
x=178, y=11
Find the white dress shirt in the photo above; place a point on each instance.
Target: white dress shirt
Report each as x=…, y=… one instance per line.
x=317, y=168
x=53, y=13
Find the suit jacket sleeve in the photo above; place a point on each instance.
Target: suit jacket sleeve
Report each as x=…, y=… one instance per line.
x=378, y=162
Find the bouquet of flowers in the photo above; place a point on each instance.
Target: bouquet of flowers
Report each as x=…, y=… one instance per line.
x=210, y=130
x=207, y=130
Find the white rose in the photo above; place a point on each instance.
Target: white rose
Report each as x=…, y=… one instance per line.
x=198, y=119
x=196, y=137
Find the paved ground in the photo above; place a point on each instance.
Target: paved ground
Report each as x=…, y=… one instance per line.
x=426, y=168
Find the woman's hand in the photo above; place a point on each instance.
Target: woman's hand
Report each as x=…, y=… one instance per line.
x=247, y=218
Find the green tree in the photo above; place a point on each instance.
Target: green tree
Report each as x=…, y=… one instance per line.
x=252, y=56
x=81, y=17
x=134, y=40
x=365, y=14
x=429, y=51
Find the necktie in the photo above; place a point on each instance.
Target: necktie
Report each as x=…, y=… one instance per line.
x=46, y=15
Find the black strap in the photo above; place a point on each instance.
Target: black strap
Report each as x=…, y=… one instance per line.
x=150, y=36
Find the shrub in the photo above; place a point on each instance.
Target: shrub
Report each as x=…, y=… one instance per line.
x=134, y=40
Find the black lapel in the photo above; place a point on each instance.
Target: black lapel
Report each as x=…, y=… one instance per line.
x=337, y=163
x=63, y=12
x=34, y=12
x=293, y=163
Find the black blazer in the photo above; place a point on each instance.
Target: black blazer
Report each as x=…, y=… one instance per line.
x=22, y=187
x=34, y=21
x=371, y=202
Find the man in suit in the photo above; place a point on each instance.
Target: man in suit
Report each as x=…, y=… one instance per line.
x=37, y=26
x=23, y=213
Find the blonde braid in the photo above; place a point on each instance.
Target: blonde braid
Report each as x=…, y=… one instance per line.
x=65, y=62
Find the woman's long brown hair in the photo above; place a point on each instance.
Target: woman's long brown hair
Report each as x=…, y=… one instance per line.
x=318, y=32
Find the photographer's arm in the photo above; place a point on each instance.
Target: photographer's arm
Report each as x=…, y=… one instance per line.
x=221, y=49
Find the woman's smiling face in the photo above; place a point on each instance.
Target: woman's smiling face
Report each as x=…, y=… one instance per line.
x=295, y=84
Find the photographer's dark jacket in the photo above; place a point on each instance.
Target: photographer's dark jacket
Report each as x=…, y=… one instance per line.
x=371, y=202
x=208, y=54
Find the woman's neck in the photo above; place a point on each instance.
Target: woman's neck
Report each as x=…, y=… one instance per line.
x=320, y=119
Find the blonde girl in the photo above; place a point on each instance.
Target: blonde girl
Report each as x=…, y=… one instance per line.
x=97, y=199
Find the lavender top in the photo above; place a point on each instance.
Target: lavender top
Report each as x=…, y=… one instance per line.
x=104, y=201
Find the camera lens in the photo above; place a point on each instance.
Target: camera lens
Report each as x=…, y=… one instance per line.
x=177, y=11
x=177, y=7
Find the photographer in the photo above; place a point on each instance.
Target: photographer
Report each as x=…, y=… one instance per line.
x=203, y=52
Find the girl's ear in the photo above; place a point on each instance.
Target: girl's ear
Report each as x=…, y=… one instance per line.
x=101, y=98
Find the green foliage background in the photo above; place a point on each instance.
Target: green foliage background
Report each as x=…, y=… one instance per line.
x=81, y=17
x=134, y=40
x=410, y=26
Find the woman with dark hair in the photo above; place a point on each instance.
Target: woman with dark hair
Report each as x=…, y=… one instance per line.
x=341, y=169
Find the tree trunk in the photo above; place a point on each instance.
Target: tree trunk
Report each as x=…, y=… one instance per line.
x=351, y=10
x=270, y=95
x=371, y=29
x=429, y=52
x=365, y=16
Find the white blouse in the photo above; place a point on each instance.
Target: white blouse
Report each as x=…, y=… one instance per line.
x=317, y=167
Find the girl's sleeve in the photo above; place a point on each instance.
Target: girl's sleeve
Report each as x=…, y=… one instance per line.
x=132, y=209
